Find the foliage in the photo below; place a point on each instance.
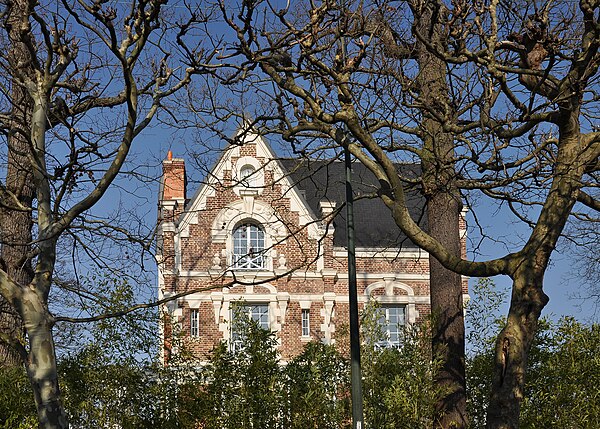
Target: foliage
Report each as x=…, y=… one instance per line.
x=241, y=388
x=17, y=410
x=251, y=388
x=113, y=380
x=483, y=322
x=99, y=393
x=109, y=378
x=317, y=388
x=398, y=382
x=562, y=385
x=561, y=389
x=130, y=337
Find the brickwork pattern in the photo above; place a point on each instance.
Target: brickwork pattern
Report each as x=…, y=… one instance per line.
x=321, y=288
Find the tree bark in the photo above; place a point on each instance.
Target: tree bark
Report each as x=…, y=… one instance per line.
x=448, y=331
x=443, y=211
x=512, y=347
x=41, y=362
x=16, y=222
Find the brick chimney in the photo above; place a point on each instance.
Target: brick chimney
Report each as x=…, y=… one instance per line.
x=173, y=181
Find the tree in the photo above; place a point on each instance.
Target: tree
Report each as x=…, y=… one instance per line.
x=439, y=185
x=16, y=215
x=529, y=50
x=521, y=107
x=240, y=388
x=16, y=406
x=399, y=387
x=247, y=386
x=584, y=244
x=108, y=379
x=563, y=377
x=562, y=368
x=73, y=62
x=317, y=388
x=103, y=388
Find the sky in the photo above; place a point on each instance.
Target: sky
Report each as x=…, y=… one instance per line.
x=561, y=282
x=568, y=297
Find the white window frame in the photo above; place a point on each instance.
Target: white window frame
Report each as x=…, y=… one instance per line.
x=194, y=323
x=249, y=251
x=305, y=322
x=393, y=331
x=259, y=312
x=248, y=176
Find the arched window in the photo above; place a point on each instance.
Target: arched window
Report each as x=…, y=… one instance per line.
x=248, y=247
x=247, y=175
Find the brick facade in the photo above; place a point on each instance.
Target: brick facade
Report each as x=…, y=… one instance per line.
x=302, y=267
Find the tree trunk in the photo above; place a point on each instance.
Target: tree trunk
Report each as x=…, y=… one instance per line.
x=38, y=322
x=512, y=347
x=41, y=362
x=443, y=210
x=16, y=225
x=448, y=330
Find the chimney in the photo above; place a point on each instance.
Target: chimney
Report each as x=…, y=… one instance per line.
x=173, y=181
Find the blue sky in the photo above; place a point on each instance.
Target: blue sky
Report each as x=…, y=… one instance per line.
x=568, y=296
x=561, y=282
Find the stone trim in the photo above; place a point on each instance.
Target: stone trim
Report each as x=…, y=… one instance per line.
x=387, y=253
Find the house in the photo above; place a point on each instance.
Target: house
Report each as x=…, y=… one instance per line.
x=268, y=235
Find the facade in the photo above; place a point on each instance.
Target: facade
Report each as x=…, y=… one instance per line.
x=266, y=237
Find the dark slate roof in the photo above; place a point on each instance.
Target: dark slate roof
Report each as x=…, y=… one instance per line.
x=374, y=225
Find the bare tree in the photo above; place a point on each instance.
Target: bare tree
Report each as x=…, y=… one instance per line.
x=518, y=97
x=320, y=46
x=582, y=241
x=86, y=79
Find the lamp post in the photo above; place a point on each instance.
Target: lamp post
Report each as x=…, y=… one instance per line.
x=355, y=372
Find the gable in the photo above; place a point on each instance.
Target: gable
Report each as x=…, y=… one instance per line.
x=253, y=153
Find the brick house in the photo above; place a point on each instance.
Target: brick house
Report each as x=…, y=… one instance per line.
x=267, y=236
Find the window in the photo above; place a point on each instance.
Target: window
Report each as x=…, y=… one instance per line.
x=194, y=325
x=391, y=322
x=258, y=313
x=247, y=175
x=305, y=322
x=248, y=247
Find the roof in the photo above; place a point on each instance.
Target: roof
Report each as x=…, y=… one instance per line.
x=375, y=228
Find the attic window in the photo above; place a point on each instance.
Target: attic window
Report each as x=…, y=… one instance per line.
x=247, y=177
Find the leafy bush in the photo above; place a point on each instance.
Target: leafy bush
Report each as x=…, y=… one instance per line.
x=17, y=410
x=317, y=389
x=397, y=382
x=563, y=374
